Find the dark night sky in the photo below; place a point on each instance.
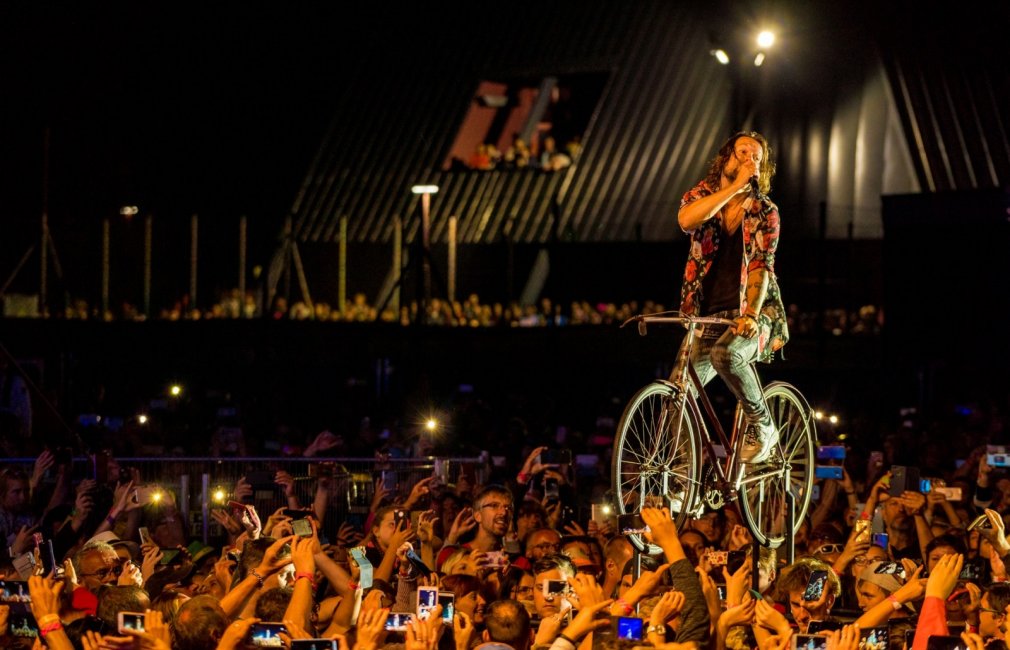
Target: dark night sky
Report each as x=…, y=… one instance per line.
x=213, y=107
x=216, y=109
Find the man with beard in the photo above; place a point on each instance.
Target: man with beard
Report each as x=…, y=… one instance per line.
x=492, y=512
x=730, y=273
x=906, y=527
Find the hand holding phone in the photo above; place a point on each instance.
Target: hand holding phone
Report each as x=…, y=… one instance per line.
x=130, y=622
x=815, y=586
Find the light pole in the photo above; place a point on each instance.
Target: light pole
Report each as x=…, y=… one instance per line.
x=425, y=191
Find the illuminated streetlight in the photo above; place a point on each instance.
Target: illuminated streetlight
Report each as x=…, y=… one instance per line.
x=833, y=419
x=765, y=39
x=175, y=390
x=720, y=56
x=128, y=210
x=142, y=418
x=219, y=495
x=818, y=415
x=759, y=59
x=431, y=424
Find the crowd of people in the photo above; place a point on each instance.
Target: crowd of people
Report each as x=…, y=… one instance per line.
x=97, y=564
x=547, y=157
x=472, y=311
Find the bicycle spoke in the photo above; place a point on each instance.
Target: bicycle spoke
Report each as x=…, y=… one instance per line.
x=654, y=459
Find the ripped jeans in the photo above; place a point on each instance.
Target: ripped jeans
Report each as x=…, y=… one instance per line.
x=718, y=350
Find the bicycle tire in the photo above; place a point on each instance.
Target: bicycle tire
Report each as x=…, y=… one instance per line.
x=762, y=500
x=656, y=462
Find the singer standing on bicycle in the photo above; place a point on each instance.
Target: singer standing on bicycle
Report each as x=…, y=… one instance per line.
x=730, y=273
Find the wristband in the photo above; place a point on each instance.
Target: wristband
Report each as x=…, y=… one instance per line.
x=894, y=603
x=568, y=639
x=307, y=576
x=47, y=619
x=353, y=585
x=623, y=604
x=258, y=577
x=523, y=478
x=55, y=626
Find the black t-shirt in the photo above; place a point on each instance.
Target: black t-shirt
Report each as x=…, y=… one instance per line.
x=720, y=289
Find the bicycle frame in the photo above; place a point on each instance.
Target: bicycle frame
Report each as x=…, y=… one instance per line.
x=692, y=392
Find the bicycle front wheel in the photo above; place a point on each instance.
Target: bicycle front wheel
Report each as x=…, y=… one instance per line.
x=656, y=461
x=791, y=467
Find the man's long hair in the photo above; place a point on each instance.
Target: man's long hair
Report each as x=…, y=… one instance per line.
x=765, y=172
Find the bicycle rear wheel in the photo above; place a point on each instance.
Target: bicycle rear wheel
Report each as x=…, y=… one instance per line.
x=791, y=467
x=656, y=461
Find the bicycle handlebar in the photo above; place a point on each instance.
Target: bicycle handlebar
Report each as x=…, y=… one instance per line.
x=675, y=317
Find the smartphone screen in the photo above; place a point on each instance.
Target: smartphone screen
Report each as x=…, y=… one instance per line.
x=130, y=621
x=815, y=586
x=447, y=600
x=879, y=539
x=427, y=598
x=809, y=642
x=555, y=587
x=21, y=622
x=14, y=591
x=735, y=560
x=267, y=635
x=145, y=536
x=552, y=489
x=631, y=524
x=829, y=471
x=823, y=626
x=629, y=628
x=302, y=527
x=496, y=559
x=873, y=638
x=397, y=621
x=831, y=452
x=315, y=644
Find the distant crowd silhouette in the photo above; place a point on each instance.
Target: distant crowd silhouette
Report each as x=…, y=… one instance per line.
x=866, y=320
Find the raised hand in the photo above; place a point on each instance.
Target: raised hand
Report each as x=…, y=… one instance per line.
x=235, y=634
x=943, y=577
x=286, y=481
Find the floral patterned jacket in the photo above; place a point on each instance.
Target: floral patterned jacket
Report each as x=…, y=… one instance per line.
x=760, y=239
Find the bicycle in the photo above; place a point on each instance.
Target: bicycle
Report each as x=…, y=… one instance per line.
x=665, y=456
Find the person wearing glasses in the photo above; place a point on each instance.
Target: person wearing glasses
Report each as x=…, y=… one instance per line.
x=493, y=507
x=97, y=564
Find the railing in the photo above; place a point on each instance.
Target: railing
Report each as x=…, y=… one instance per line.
x=201, y=484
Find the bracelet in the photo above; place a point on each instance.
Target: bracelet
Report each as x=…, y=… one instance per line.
x=50, y=628
x=47, y=619
x=568, y=639
x=894, y=603
x=523, y=477
x=625, y=606
x=656, y=629
x=258, y=577
x=308, y=576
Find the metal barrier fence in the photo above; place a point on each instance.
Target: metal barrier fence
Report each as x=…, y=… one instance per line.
x=201, y=484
